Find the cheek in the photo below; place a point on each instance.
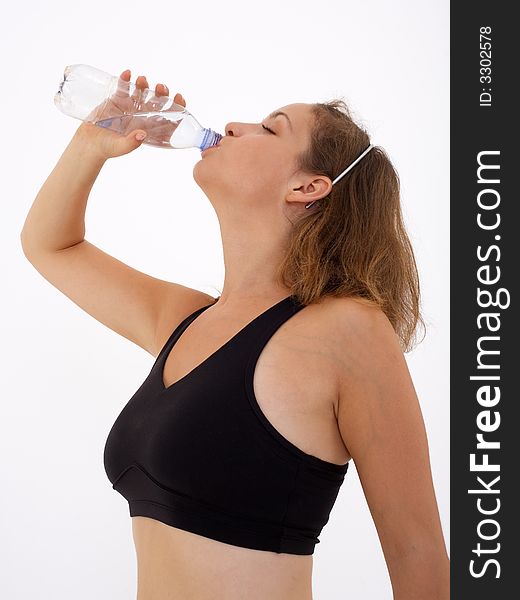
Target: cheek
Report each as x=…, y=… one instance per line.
x=261, y=171
x=253, y=165
x=260, y=159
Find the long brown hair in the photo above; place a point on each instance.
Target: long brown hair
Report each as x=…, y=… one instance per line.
x=353, y=242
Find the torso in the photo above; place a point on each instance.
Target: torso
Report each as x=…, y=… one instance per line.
x=296, y=386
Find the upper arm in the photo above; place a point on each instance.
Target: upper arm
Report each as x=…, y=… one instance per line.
x=380, y=421
x=130, y=302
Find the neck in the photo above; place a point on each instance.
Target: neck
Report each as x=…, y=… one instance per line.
x=252, y=255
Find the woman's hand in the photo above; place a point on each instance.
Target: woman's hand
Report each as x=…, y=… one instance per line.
x=109, y=144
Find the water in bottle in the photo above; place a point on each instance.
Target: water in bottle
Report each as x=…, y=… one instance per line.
x=89, y=94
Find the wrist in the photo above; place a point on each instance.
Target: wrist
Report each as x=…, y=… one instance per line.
x=83, y=142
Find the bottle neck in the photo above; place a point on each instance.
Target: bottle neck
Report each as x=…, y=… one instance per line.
x=210, y=138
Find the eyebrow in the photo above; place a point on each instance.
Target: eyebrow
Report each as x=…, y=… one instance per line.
x=279, y=112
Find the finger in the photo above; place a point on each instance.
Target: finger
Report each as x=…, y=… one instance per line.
x=161, y=90
x=141, y=82
x=178, y=99
x=160, y=97
x=156, y=102
x=123, y=84
x=137, y=136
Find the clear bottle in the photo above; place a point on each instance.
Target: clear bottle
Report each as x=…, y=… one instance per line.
x=89, y=94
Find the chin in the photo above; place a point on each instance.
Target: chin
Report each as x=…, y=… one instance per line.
x=201, y=176
x=196, y=171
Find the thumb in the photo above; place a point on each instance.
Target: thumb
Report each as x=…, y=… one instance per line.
x=121, y=145
x=130, y=142
x=134, y=139
x=139, y=135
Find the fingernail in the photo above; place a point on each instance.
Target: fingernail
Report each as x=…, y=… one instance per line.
x=140, y=136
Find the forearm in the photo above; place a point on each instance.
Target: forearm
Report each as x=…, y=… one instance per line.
x=421, y=576
x=56, y=219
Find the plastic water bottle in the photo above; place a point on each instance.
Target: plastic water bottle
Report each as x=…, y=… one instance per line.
x=89, y=94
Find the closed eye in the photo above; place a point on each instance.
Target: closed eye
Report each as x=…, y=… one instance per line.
x=269, y=130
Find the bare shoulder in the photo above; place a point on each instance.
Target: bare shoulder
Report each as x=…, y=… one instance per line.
x=374, y=383
x=356, y=313
x=355, y=324
x=365, y=345
x=348, y=328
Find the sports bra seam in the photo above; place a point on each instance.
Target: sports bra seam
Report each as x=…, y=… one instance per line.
x=194, y=502
x=282, y=534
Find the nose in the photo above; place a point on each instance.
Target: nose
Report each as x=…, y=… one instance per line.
x=233, y=128
x=230, y=129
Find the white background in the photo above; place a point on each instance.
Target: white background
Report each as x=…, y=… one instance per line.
x=65, y=377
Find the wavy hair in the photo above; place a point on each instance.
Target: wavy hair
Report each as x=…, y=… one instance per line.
x=353, y=242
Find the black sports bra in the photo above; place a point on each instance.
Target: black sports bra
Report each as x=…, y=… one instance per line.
x=200, y=454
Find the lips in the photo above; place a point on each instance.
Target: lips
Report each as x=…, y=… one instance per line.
x=210, y=148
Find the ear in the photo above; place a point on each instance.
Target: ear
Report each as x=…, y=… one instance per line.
x=308, y=189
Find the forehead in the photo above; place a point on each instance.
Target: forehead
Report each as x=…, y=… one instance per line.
x=300, y=115
x=300, y=112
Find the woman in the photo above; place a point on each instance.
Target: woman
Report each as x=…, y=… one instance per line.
x=232, y=451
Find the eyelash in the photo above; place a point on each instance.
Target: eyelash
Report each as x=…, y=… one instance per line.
x=269, y=130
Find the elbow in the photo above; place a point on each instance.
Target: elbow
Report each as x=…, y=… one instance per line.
x=24, y=243
x=421, y=574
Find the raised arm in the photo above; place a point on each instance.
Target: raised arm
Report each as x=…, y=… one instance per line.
x=133, y=304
